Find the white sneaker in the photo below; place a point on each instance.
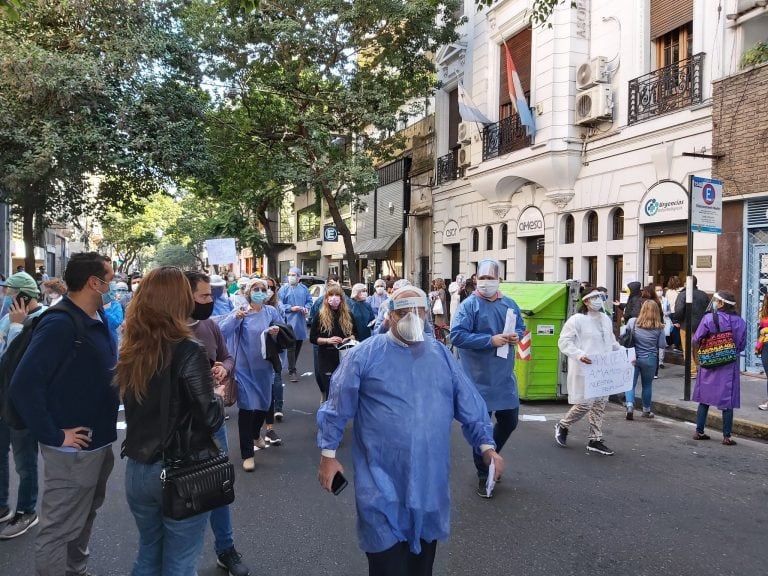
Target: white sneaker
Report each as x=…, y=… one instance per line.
x=763, y=406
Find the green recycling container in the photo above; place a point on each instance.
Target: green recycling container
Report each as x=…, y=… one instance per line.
x=545, y=307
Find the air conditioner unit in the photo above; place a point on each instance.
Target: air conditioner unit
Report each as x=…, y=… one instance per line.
x=594, y=105
x=592, y=73
x=465, y=157
x=465, y=132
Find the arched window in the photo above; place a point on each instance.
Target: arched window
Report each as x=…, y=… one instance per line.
x=489, y=238
x=618, y=224
x=475, y=240
x=503, y=234
x=569, y=229
x=592, y=227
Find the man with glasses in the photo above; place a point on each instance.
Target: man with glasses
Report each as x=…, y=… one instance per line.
x=62, y=389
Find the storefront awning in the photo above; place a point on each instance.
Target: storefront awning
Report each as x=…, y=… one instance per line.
x=375, y=248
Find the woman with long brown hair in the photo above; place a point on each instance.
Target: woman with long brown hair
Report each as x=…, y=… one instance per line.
x=160, y=360
x=332, y=326
x=648, y=331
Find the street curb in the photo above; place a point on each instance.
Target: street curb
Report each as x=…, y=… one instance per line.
x=741, y=427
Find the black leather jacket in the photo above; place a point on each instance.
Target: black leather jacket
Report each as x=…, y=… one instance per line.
x=195, y=413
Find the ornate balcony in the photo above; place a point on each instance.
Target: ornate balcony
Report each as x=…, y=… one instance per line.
x=503, y=137
x=669, y=89
x=447, y=168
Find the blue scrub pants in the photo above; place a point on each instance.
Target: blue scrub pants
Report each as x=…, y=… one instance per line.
x=400, y=561
x=506, y=422
x=221, y=518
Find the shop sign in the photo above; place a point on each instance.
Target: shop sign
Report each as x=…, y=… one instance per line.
x=451, y=232
x=665, y=201
x=530, y=223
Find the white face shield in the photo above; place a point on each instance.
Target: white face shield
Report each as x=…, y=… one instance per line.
x=409, y=315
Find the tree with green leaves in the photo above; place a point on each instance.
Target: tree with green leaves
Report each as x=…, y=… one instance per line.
x=94, y=91
x=313, y=84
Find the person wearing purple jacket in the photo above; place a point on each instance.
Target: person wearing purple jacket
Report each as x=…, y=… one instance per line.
x=720, y=386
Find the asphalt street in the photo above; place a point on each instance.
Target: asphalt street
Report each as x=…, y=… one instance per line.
x=664, y=504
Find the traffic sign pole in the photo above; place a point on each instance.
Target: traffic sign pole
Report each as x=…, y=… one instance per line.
x=689, y=297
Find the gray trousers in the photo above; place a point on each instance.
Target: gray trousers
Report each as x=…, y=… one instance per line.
x=594, y=409
x=74, y=486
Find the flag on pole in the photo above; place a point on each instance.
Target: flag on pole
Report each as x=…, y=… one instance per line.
x=517, y=95
x=469, y=112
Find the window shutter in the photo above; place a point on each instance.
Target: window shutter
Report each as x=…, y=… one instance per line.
x=520, y=49
x=667, y=15
x=453, y=118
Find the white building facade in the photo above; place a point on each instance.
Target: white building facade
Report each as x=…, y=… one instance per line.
x=621, y=97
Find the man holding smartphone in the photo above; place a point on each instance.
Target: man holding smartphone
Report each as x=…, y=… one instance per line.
x=385, y=384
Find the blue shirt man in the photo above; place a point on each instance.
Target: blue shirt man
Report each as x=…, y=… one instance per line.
x=487, y=353
x=295, y=302
x=385, y=384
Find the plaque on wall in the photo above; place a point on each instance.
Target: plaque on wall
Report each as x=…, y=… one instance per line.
x=703, y=261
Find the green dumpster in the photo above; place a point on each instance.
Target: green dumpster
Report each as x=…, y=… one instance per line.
x=545, y=307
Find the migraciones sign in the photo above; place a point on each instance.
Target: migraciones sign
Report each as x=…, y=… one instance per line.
x=665, y=201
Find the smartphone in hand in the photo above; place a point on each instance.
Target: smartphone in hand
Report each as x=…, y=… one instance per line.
x=338, y=484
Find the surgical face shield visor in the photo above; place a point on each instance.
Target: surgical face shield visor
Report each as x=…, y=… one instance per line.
x=488, y=268
x=409, y=314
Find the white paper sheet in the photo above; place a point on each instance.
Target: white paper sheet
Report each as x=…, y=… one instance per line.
x=491, y=482
x=509, y=328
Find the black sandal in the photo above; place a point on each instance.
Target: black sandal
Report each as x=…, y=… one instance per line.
x=701, y=436
x=728, y=441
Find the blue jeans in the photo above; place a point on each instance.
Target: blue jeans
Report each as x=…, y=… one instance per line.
x=645, y=367
x=25, y=459
x=506, y=422
x=167, y=547
x=701, y=420
x=221, y=518
x=277, y=392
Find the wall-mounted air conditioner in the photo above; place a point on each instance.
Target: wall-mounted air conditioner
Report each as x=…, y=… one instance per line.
x=592, y=73
x=465, y=132
x=465, y=156
x=594, y=105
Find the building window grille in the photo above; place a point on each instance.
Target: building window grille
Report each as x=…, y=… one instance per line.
x=618, y=224
x=489, y=238
x=503, y=233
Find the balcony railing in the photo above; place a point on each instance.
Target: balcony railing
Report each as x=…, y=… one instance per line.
x=503, y=137
x=447, y=168
x=669, y=89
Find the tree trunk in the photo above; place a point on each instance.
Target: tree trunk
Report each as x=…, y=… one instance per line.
x=28, y=227
x=270, y=252
x=344, y=232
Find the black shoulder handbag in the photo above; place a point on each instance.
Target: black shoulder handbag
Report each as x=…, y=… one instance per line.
x=193, y=487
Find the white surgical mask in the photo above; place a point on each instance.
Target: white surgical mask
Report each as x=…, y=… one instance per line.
x=411, y=328
x=379, y=290
x=488, y=288
x=293, y=280
x=595, y=304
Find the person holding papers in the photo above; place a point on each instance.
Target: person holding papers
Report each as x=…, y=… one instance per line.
x=586, y=333
x=486, y=328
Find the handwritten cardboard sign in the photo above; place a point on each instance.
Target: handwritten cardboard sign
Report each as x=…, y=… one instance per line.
x=609, y=373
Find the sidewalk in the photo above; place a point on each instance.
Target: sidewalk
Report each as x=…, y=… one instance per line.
x=748, y=421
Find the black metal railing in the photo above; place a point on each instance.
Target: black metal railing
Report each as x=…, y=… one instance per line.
x=674, y=87
x=447, y=167
x=506, y=135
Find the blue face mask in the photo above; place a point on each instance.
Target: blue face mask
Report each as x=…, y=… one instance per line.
x=258, y=297
x=7, y=301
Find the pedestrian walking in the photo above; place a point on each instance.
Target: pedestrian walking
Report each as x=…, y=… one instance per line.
x=208, y=333
x=362, y=313
x=762, y=339
x=379, y=295
x=648, y=333
x=222, y=305
x=673, y=291
x=22, y=301
x=295, y=303
x=486, y=329
x=439, y=302
x=720, y=385
x=62, y=389
x=587, y=332
x=161, y=362
x=255, y=375
x=698, y=309
x=275, y=413
x=402, y=390
x=634, y=301
x=332, y=326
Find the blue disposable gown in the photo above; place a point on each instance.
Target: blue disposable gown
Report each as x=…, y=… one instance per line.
x=114, y=314
x=254, y=374
x=295, y=296
x=362, y=315
x=221, y=302
x=403, y=400
x=476, y=320
x=374, y=301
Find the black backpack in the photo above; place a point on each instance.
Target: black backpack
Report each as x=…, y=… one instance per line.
x=14, y=353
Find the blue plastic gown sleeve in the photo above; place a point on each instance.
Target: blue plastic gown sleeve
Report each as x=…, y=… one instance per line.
x=463, y=330
x=341, y=406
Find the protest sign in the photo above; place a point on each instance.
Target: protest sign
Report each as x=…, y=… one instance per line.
x=609, y=373
x=221, y=251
